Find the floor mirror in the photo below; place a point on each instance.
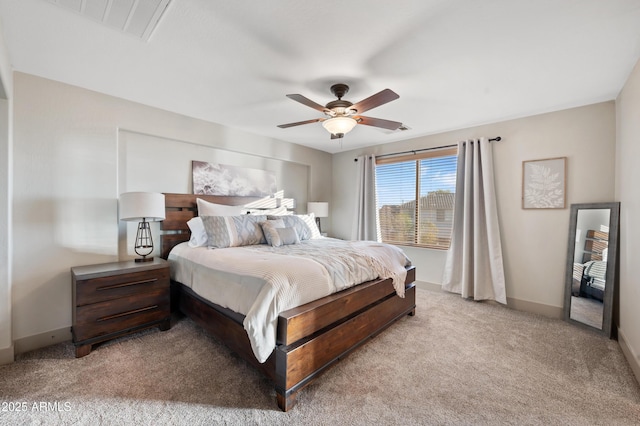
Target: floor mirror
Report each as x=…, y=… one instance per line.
x=592, y=253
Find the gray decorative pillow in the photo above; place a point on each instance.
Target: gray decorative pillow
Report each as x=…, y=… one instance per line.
x=288, y=236
x=304, y=224
x=269, y=230
x=233, y=231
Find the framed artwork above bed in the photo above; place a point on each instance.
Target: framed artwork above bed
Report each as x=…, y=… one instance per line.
x=220, y=179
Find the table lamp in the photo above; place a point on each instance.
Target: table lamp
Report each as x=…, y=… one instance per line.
x=319, y=209
x=143, y=207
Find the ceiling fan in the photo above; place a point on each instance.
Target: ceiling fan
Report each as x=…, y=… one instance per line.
x=342, y=116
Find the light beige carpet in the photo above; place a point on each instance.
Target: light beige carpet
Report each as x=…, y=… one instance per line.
x=455, y=362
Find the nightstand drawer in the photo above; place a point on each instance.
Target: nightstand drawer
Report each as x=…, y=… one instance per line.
x=117, y=286
x=120, y=314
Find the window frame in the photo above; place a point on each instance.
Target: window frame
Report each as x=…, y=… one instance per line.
x=416, y=157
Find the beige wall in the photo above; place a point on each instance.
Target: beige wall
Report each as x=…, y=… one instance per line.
x=6, y=144
x=66, y=170
x=627, y=192
x=534, y=241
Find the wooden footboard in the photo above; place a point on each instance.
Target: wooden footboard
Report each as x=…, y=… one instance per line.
x=302, y=361
x=312, y=337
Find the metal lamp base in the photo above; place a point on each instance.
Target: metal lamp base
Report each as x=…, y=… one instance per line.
x=144, y=242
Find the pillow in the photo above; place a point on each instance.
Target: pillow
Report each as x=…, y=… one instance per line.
x=269, y=230
x=199, y=235
x=287, y=236
x=206, y=208
x=233, y=231
x=280, y=211
x=304, y=224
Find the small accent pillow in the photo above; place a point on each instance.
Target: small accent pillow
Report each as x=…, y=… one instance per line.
x=233, y=231
x=205, y=208
x=287, y=236
x=199, y=235
x=304, y=224
x=269, y=230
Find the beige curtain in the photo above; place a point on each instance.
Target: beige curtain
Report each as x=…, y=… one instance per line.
x=365, y=221
x=474, y=266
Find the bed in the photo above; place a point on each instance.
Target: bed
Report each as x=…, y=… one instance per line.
x=309, y=338
x=593, y=279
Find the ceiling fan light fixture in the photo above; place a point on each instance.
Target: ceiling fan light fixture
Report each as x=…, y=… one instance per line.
x=337, y=125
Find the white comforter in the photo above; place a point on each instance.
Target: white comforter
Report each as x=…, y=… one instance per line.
x=261, y=281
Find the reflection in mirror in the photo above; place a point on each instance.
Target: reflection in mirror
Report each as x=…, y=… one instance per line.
x=591, y=260
x=590, y=266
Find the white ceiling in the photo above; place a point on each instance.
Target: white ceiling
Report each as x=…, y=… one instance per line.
x=454, y=63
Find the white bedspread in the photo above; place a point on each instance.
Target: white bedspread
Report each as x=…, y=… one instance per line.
x=262, y=281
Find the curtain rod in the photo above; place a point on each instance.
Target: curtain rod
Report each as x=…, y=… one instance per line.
x=415, y=151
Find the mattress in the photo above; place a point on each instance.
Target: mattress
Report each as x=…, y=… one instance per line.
x=261, y=281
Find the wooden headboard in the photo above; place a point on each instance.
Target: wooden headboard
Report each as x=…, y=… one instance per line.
x=180, y=208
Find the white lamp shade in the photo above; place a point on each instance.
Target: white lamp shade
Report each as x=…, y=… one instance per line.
x=134, y=206
x=318, y=208
x=339, y=124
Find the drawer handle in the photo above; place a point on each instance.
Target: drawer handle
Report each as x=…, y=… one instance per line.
x=109, y=287
x=123, y=314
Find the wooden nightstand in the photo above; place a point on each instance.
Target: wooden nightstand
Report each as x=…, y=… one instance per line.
x=114, y=299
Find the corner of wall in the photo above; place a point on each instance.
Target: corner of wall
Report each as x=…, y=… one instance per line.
x=632, y=358
x=7, y=355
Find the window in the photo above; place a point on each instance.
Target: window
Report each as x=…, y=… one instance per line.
x=416, y=198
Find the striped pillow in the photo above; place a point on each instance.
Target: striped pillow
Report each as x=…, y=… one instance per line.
x=304, y=224
x=234, y=231
x=277, y=235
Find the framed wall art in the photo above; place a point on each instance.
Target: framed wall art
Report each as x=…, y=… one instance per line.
x=220, y=179
x=544, y=183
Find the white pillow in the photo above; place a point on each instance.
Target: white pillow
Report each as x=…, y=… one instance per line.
x=206, y=208
x=199, y=235
x=310, y=220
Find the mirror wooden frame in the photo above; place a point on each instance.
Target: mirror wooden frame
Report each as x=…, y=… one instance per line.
x=612, y=258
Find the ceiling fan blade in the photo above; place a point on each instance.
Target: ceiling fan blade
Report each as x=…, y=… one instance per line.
x=378, y=122
x=299, y=123
x=373, y=101
x=308, y=102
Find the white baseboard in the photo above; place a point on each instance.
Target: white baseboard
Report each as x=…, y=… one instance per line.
x=7, y=355
x=428, y=286
x=37, y=341
x=536, y=308
x=632, y=358
x=517, y=304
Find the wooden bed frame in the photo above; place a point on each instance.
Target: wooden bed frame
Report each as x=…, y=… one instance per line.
x=310, y=338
